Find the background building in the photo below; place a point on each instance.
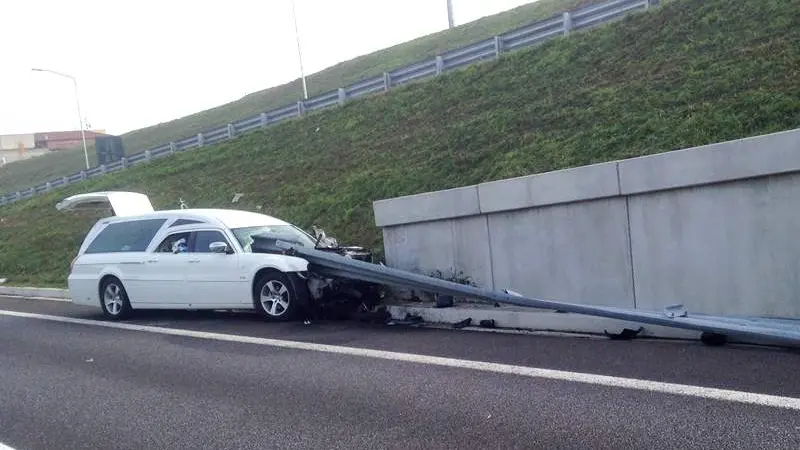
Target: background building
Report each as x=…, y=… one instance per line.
x=62, y=140
x=16, y=147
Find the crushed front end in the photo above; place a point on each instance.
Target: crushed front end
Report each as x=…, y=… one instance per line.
x=331, y=296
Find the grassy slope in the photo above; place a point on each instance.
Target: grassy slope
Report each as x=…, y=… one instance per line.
x=690, y=74
x=26, y=174
x=35, y=171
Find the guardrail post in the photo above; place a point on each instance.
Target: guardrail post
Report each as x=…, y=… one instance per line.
x=65, y=181
x=48, y=186
x=567, y=22
x=649, y=3
x=387, y=81
x=231, y=131
x=498, y=46
x=19, y=195
x=342, y=96
x=172, y=147
x=200, y=139
x=439, y=65
x=124, y=162
x=147, y=155
x=301, y=108
x=83, y=175
x=2, y=199
x=264, y=119
x=103, y=168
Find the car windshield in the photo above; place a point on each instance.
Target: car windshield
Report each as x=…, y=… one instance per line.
x=289, y=232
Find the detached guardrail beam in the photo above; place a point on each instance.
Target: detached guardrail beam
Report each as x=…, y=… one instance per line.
x=674, y=316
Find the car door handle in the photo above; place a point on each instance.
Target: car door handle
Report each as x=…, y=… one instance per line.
x=152, y=261
x=194, y=261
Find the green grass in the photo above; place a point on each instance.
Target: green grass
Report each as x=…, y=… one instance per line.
x=25, y=174
x=687, y=74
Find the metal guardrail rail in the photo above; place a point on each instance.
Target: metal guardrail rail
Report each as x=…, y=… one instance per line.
x=783, y=331
x=484, y=50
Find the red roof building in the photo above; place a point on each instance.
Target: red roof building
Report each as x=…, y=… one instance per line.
x=61, y=140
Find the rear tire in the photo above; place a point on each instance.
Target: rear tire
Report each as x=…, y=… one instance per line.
x=114, y=300
x=279, y=297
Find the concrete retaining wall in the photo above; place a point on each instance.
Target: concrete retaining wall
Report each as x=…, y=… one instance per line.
x=716, y=228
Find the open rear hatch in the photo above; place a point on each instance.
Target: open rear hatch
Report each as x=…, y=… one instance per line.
x=121, y=203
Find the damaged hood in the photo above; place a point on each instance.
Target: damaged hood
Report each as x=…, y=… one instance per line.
x=268, y=243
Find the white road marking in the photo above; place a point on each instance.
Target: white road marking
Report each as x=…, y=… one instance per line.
x=575, y=377
x=5, y=447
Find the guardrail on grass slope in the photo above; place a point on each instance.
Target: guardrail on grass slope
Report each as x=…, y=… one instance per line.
x=484, y=50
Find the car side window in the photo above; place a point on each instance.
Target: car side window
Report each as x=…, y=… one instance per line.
x=173, y=242
x=203, y=239
x=127, y=236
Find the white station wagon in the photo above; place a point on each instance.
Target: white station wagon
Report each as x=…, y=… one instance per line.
x=191, y=259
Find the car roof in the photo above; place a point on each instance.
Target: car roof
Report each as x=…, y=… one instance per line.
x=127, y=206
x=229, y=218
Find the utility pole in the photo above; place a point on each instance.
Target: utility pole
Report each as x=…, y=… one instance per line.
x=450, y=13
x=299, y=53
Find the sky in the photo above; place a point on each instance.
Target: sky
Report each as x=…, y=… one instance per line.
x=141, y=62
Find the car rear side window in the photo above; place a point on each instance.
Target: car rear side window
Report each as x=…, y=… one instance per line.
x=128, y=236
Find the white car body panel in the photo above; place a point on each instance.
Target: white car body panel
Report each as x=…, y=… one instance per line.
x=166, y=280
x=159, y=279
x=124, y=204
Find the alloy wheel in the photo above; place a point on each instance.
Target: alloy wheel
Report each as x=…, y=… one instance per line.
x=275, y=298
x=112, y=298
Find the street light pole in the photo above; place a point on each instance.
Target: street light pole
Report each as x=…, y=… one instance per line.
x=78, y=103
x=299, y=53
x=450, y=21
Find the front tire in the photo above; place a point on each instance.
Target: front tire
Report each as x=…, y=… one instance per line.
x=279, y=297
x=114, y=300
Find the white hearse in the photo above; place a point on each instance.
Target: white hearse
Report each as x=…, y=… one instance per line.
x=140, y=258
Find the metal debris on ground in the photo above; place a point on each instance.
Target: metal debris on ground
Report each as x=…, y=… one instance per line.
x=463, y=324
x=410, y=319
x=380, y=315
x=626, y=335
x=486, y=323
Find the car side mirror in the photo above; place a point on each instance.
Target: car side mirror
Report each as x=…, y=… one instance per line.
x=219, y=247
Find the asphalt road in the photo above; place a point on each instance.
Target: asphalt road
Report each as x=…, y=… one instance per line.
x=78, y=385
